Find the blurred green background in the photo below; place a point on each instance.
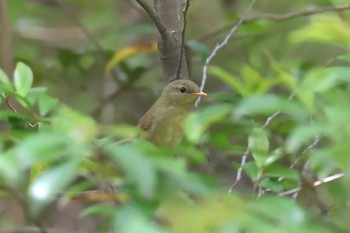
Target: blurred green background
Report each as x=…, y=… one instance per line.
x=86, y=71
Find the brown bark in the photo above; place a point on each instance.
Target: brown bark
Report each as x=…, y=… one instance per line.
x=166, y=16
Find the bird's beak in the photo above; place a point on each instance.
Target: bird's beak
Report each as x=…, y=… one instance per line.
x=200, y=94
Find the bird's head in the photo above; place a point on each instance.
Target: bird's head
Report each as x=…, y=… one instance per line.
x=181, y=93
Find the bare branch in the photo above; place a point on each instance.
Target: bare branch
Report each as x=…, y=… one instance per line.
x=292, y=15
x=159, y=24
x=315, y=184
x=183, y=31
x=283, y=17
x=221, y=45
x=240, y=170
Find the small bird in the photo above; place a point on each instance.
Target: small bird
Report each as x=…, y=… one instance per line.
x=162, y=123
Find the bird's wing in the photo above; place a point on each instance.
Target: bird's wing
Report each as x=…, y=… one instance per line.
x=147, y=120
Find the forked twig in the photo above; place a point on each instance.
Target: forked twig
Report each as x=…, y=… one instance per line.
x=221, y=45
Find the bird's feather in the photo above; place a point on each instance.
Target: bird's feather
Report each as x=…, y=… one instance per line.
x=146, y=120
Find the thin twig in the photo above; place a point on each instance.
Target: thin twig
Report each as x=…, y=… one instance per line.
x=9, y=105
x=159, y=24
x=315, y=184
x=282, y=17
x=183, y=31
x=307, y=149
x=239, y=171
x=221, y=45
x=292, y=15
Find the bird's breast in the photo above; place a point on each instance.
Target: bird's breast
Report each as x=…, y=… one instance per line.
x=167, y=130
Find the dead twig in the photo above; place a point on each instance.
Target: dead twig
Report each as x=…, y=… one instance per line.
x=221, y=45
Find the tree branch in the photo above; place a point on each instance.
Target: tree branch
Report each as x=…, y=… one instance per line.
x=159, y=24
x=281, y=17
x=292, y=15
x=315, y=184
x=221, y=45
x=168, y=12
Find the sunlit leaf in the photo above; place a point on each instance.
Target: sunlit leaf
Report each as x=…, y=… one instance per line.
x=229, y=79
x=251, y=77
x=45, y=188
x=23, y=78
x=274, y=156
x=326, y=29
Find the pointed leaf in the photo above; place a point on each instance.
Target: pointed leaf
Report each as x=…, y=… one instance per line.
x=23, y=79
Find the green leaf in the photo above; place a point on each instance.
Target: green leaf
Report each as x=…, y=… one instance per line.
x=179, y=177
x=258, y=143
x=274, y=156
x=229, y=79
x=285, y=211
x=77, y=126
x=98, y=210
x=251, y=78
x=329, y=29
x=47, y=104
x=279, y=171
x=269, y=104
x=138, y=168
x=35, y=94
x=45, y=188
x=23, y=79
x=251, y=170
x=272, y=184
x=198, y=122
x=130, y=219
x=11, y=173
x=45, y=147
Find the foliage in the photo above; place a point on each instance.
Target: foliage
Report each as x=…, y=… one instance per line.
x=287, y=113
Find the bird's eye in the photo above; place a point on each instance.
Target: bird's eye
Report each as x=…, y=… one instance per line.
x=183, y=89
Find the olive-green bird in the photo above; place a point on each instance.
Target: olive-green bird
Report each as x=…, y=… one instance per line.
x=162, y=123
